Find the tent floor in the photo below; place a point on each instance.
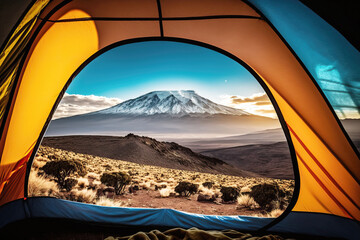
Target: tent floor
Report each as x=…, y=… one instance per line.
x=58, y=229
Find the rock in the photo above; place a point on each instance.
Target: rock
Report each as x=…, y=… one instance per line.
x=206, y=198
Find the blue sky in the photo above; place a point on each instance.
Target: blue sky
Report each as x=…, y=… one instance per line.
x=131, y=70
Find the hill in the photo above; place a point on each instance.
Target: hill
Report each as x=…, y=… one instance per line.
x=145, y=150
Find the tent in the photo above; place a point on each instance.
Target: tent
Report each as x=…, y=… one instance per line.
x=307, y=68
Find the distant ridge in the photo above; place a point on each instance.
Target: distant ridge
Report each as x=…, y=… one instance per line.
x=268, y=160
x=145, y=150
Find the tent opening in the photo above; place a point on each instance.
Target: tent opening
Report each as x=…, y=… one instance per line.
x=164, y=124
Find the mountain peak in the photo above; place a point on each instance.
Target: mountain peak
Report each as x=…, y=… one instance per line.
x=175, y=102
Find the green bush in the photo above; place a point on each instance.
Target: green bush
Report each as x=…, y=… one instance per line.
x=186, y=188
x=229, y=194
x=266, y=194
x=118, y=180
x=62, y=169
x=208, y=185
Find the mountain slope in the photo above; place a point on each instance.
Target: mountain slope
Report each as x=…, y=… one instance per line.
x=144, y=150
x=268, y=160
x=170, y=102
x=267, y=136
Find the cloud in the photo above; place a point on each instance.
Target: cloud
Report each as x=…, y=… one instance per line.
x=266, y=111
x=75, y=104
x=259, y=97
x=263, y=103
x=258, y=104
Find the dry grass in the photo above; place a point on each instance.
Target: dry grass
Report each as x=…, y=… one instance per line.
x=245, y=201
x=206, y=191
x=165, y=192
x=275, y=213
x=83, y=182
x=84, y=195
x=108, y=202
x=245, y=189
x=146, y=177
x=41, y=186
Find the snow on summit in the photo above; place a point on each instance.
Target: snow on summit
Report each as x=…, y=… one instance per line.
x=179, y=102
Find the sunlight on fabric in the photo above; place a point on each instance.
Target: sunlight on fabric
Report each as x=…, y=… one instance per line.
x=342, y=96
x=68, y=43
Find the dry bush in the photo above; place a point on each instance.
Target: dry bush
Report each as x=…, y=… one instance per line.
x=267, y=195
x=108, y=202
x=275, y=213
x=245, y=201
x=41, y=186
x=165, y=192
x=84, y=195
x=37, y=163
x=83, y=182
x=206, y=191
x=145, y=185
x=186, y=189
x=229, y=194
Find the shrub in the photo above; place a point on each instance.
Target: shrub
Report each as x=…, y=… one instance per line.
x=118, y=180
x=229, y=194
x=108, y=202
x=265, y=194
x=186, y=188
x=208, y=184
x=62, y=169
x=70, y=183
x=206, y=191
x=246, y=201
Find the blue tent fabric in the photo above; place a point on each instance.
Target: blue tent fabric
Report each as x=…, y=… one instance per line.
x=314, y=224
x=319, y=224
x=46, y=207
x=329, y=57
x=12, y=212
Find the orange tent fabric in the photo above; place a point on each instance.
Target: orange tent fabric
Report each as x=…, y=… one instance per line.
x=60, y=36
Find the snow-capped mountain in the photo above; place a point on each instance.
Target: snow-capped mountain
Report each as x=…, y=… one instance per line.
x=170, y=102
x=166, y=114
